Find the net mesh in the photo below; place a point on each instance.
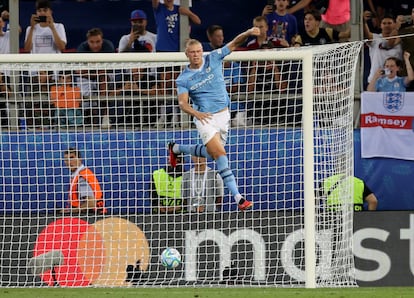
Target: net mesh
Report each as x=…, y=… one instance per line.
x=120, y=116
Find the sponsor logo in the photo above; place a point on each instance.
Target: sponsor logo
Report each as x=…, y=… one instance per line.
x=202, y=83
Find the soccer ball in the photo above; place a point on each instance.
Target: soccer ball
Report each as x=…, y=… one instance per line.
x=170, y=258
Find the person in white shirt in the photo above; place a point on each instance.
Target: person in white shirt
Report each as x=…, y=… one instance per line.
x=384, y=45
x=4, y=73
x=139, y=39
x=44, y=35
x=4, y=39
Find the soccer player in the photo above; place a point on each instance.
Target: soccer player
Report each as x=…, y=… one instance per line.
x=202, y=81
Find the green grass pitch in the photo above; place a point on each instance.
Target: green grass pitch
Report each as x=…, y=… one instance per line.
x=379, y=292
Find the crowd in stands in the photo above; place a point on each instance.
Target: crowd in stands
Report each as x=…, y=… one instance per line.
x=389, y=57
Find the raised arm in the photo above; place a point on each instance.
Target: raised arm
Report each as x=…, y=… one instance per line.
x=155, y=3
x=192, y=16
x=28, y=43
x=409, y=68
x=300, y=5
x=367, y=33
x=60, y=44
x=242, y=37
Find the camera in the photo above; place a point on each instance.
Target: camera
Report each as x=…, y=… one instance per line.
x=41, y=19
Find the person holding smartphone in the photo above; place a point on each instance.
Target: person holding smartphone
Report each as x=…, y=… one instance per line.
x=44, y=36
x=139, y=39
x=388, y=79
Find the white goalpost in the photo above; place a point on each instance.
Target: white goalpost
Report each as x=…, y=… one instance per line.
x=291, y=128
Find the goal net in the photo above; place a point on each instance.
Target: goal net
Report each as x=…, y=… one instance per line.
x=291, y=128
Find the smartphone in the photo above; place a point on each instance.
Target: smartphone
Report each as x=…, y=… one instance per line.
x=135, y=27
x=41, y=19
x=271, y=3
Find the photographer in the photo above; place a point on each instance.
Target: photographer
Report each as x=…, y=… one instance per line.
x=44, y=35
x=388, y=80
x=139, y=39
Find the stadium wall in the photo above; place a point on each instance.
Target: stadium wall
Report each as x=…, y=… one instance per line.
x=34, y=178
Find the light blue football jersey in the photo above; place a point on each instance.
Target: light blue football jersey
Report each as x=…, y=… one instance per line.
x=206, y=86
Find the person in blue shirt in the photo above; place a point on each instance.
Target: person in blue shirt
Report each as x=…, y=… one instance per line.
x=167, y=18
x=283, y=26
x=387, y=79
x=202, y=81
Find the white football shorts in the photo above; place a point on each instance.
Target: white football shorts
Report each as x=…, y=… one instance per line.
x=219, y=123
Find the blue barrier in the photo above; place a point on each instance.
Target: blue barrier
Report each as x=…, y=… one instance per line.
x=34, y=178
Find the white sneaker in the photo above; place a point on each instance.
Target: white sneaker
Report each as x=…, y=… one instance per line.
x=106, y=123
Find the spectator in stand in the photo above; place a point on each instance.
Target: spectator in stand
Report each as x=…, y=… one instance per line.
x=134, y=83
x=380, y=8
x=263, y=40
x=314, y=35
x=336, y=14
x=283, y=26
x=106, y=90
x=139, y=39
x=406, y=30
x=202, y=187
x=67, y=100
x=263, y=76
x=5, y=15
x=167, y=19
x=215, y=37
x=5, y=90
x=42, y=82
x=168, y=24
x=382, y=46
x=377, y=10
x=388, y=80
x=137, y=81
x=4, y=73
x=166, y=194
x=44, y=35
x=4, y=38
x=95, y=43
x=96, y=81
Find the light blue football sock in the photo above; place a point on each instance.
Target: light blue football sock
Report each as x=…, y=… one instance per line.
x=227, y=176
x=194, y=150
